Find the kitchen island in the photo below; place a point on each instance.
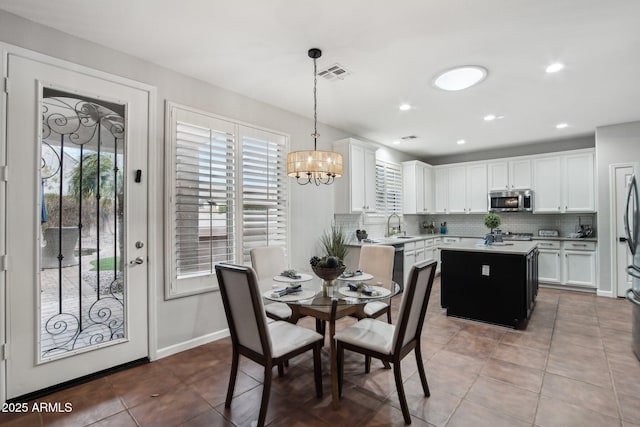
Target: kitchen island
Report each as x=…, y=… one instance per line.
x=495, y=283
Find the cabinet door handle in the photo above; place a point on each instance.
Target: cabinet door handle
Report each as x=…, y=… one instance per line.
x=558, y=254
x=582, y=245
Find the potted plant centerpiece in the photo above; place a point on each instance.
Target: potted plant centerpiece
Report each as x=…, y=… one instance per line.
x=491, y=220
x=331, y=265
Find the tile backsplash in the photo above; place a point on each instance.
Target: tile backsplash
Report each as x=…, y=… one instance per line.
x=471, y=224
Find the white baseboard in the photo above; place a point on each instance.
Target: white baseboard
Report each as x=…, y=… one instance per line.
x=608, y=294
x=192, y=343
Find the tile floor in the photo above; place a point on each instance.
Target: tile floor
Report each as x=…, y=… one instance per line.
x=573, y=366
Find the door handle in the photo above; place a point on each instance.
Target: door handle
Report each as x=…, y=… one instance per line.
x=631, y=238
x=631, y=297
x=622, y=239
x=138, y=260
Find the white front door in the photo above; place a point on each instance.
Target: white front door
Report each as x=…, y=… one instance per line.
x=76, y=215
x=621, y=250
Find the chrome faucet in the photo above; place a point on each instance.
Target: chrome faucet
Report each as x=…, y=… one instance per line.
x=390, y=231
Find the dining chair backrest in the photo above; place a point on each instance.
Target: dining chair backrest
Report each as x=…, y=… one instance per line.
x=414, y=304
x=243, y=307
x=377, y=260
x=268, y=261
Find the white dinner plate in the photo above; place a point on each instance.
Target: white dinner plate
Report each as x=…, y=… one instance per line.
x=305, y=294
x=358, y=278
x=303, y=278
x=382, y=292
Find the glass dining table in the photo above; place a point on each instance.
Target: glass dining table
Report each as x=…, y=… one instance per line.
x=347, y=297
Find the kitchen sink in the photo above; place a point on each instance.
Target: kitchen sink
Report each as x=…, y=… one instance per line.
x=404, y=237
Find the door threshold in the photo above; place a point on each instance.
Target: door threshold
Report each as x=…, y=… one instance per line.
x=77, y=381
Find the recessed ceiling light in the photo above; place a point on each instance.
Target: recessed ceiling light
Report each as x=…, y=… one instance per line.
x=460, y=78
x=554, y=68
x=489, y=117
x=561, y=125
x=404, y=107
x=396, y=142
x=460, y=141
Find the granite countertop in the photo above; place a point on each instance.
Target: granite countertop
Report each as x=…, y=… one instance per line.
x=418, y=237
x=513, y=248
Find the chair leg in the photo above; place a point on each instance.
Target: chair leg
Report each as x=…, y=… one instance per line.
x=401, y=396
x=317, y=367
x=423, y=376
x=266, y=390
x=367, y=364
x=281, y=369
x=320, y=327
x=232, y=378
x=340, y=356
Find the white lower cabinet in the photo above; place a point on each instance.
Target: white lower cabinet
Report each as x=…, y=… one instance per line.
x=580, y=264
x=421, y=250
x=549, y=268
x=567, y=263
x=409, y=259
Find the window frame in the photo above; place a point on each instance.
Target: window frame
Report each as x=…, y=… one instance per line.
x=202, y=283
x=385, y=164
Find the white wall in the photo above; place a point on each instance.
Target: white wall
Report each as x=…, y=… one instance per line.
x=614, y=144
x=188, y=319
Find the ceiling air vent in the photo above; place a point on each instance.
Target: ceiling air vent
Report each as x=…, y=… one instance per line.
x=408, y=137
x=334, y=72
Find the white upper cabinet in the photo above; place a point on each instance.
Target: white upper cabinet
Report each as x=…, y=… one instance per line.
x=579, y=186
x=461, y=188
x=355, y=192
x=546, y=183
x=441, y=190
x=564, y=182
x=509, y=174
x=417, y=187
x=477, y=188
x=457, y=189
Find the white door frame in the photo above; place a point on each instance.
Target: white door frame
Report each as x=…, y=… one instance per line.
x=613, y=212
x=153, y=178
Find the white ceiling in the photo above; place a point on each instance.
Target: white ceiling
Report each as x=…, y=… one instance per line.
x=393, y=50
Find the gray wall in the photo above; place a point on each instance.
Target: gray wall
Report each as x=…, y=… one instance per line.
x=614, y=144
x=189, y=318
x=587, y=141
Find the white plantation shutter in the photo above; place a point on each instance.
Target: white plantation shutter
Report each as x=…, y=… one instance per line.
x=264, y=190
x=388, y=188
x=204, y=198
x=227, y=194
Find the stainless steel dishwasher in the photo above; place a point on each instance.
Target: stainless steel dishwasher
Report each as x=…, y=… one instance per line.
x=398, y=265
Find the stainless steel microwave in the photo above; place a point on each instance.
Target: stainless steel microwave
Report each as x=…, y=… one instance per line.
x=510, y=201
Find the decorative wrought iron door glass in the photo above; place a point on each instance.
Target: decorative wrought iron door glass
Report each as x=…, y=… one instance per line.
x=82, y=281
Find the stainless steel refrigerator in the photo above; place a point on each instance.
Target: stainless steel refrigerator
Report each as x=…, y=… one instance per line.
x=632, y=228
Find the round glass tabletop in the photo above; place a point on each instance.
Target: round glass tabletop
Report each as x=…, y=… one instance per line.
x=313, y=294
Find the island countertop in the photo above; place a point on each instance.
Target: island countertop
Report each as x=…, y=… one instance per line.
x=512, y=247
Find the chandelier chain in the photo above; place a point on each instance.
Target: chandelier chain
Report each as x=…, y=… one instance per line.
x=315, y=105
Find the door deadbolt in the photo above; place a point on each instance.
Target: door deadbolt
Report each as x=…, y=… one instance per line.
x=139, y=244
x=138, y=260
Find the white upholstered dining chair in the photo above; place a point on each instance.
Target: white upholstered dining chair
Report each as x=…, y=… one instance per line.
x=391, y=343
x=268, y=344
x=377, y=260
x=269, y=261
